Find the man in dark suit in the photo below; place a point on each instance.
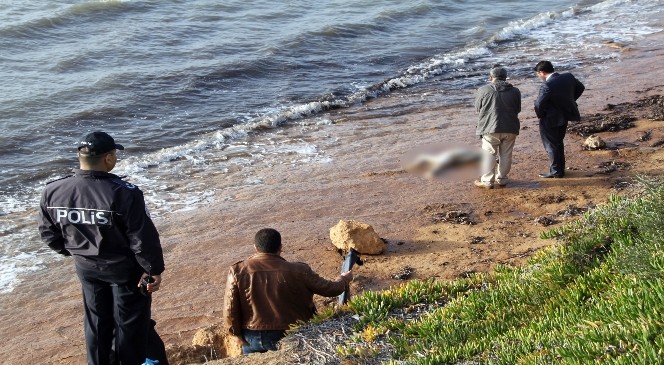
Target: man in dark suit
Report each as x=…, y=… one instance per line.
x=555, y=106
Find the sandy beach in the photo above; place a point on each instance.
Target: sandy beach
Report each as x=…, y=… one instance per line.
x=367, y=182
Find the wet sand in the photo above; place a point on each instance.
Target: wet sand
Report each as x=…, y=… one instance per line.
x=365, y=181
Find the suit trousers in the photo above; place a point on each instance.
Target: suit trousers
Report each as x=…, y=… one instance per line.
x=552, y=139
x=114, y=310
x=498, y=145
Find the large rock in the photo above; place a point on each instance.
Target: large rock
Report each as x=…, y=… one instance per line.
x=360, y=236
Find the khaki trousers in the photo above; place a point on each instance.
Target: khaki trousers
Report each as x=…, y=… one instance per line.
x=497, y=163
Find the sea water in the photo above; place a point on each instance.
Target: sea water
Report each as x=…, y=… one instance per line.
x=198, y=88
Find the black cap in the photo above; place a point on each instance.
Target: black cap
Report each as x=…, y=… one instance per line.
x=98, y=143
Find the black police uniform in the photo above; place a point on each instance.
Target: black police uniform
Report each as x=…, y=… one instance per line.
x=103, y=223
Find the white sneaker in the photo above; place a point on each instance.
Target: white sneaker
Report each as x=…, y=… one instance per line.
x=483, y=185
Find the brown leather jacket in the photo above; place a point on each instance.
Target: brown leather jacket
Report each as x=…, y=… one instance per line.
x=266, y=292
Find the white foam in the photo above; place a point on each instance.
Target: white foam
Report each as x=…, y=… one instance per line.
x=11, y=267
x=320, y=121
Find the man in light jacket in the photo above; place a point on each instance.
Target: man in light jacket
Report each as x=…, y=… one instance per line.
x=498, y=105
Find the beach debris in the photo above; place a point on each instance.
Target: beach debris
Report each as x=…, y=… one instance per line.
x=596, y=123
x=476, y=240
x=360, y=236
x=476, y=251
x=621, y=185
x=545, y=221
x=620, y=116
x=654, y=107
x=611, y=166
x=594, y=142
x=658, y=143
x=453, y=216
x=450, y=213
x=551, y=199
x=404, y=273
x=644, y=136
x=571, y=211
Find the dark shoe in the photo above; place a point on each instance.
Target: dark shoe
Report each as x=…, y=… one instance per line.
x=548, y=176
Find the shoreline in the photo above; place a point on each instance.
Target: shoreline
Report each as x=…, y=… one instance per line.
x=366, y=182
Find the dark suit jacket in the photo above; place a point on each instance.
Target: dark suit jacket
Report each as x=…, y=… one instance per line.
x=556, y=102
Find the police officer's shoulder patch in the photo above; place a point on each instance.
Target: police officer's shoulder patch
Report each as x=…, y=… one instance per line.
x=124, y=184
x=62, y=178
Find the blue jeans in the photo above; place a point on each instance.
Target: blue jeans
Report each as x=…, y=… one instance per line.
x=261, y=341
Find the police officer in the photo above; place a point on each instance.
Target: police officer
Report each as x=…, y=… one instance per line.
x=102, y=222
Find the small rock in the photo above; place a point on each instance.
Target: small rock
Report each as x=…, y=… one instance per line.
x=594, y=142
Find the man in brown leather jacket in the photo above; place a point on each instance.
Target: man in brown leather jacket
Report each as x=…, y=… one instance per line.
x=265, y=294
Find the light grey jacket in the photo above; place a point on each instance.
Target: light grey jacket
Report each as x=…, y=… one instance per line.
x=498, y=105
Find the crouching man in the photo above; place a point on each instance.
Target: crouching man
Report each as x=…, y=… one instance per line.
x=265, y=294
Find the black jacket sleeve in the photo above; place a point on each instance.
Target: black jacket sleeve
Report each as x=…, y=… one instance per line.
x=142, y=234
x=50, y=232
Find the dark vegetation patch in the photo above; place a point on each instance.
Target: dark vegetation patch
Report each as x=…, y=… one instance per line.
x=404, y=273
x=620, y=116
x=571, y=211
x=621, y=185
x=458, y=214
x=545, y=221
x=551, y=199
x=611, y=166
x=658, y=143
x=644, y=136
x=596, y=123
x=476, y=240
